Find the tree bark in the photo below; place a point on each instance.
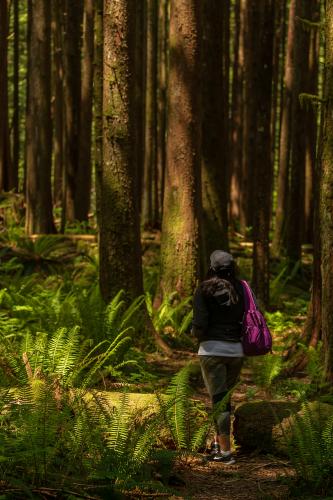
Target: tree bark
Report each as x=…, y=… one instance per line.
x=58, y=104
x=120, y=248
x=263, y=168
x=162, y=69
x=5, y=156
x=72, y=99
x=326, y=200
x=16, y=102
x=214, y=130
x=285, y=134
x=98, y=105
x=235, y=172
x=83, y=180
x=180, y=228
x=311, y=123
x=149, y=215
x=39, y=217
x=140, y=97
x=295, y=231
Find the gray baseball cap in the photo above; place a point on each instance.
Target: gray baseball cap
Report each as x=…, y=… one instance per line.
x=221, y=260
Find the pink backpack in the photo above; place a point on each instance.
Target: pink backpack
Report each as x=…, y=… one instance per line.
x=256, y=337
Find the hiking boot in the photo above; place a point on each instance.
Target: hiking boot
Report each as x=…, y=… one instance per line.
x=224, y=457
x=214, y=449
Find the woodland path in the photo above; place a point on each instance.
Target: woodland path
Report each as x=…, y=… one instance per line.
x=253, y=477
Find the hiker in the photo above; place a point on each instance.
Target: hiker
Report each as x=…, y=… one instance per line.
x=218, y=309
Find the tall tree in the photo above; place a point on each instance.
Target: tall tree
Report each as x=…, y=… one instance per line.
x=16, y=103
x=295, y=232
x=140, y=96
x=83, y=180
x=39, y=217
x=285, y=134
x=163, y=34
x=149, y=208
x=311, y=121
x=263, y=167
x=5, y=156
x=120, y=249
x=180, y=227
x=98, y=104
x=326, y=197
x=249, y=116
x=58, y=99
x=237, y=108
x=214, y=130
x=72, y=98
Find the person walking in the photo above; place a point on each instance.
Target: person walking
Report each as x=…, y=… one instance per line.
x=218, y=310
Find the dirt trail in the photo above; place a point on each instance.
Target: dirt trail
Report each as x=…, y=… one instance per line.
x=252, y=477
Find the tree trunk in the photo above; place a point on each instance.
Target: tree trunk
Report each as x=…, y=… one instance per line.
x=140, y=97
x=5, y=156
x=278, y=45
x=39, y=217
x=83, y=180
x=149, y=215
x=72, y=100
x=16, y=102
x=235, y=171
x=180, y=228
x=295, y=231
x=311, y=123
x=98, y=104
x=120, y=252
x=214, y=131
x=249, y=117
x=285, y=134
x=326, y=197
x=263, y=168
x=58, y=105
x=162, y=96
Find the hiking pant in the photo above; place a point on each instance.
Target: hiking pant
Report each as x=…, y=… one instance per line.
x=220, y=374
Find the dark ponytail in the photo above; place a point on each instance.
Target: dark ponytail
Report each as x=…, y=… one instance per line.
x=221, y=281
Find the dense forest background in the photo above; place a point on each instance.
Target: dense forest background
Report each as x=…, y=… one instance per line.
x=136, y=137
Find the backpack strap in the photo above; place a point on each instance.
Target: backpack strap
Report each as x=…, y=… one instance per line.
x=251, y=305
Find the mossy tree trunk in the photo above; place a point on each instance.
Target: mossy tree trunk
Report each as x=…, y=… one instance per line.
x=311, y=122
x=98, y=104
x=180, y=228
x=149, y=215
x=214, y=130
x=251, y=97
x=5, y=156
x=162, y=77
x=295, y=217
x=237, y=107
x=39, y=217
x=83, y=178
x=72, y=99
x=119, y=245
x=285, y=134
x=58, y=99
x=16, y=102
x=263, y=167
x=326, y=199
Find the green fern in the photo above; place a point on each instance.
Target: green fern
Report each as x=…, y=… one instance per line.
x=187, y=423
x=311, y=448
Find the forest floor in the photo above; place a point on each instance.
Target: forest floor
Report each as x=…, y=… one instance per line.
x=253, y=476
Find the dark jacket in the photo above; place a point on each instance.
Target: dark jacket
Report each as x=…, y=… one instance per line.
x=215, y=319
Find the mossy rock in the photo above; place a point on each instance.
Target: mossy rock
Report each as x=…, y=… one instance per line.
x=255, y=420
x=282, y=433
